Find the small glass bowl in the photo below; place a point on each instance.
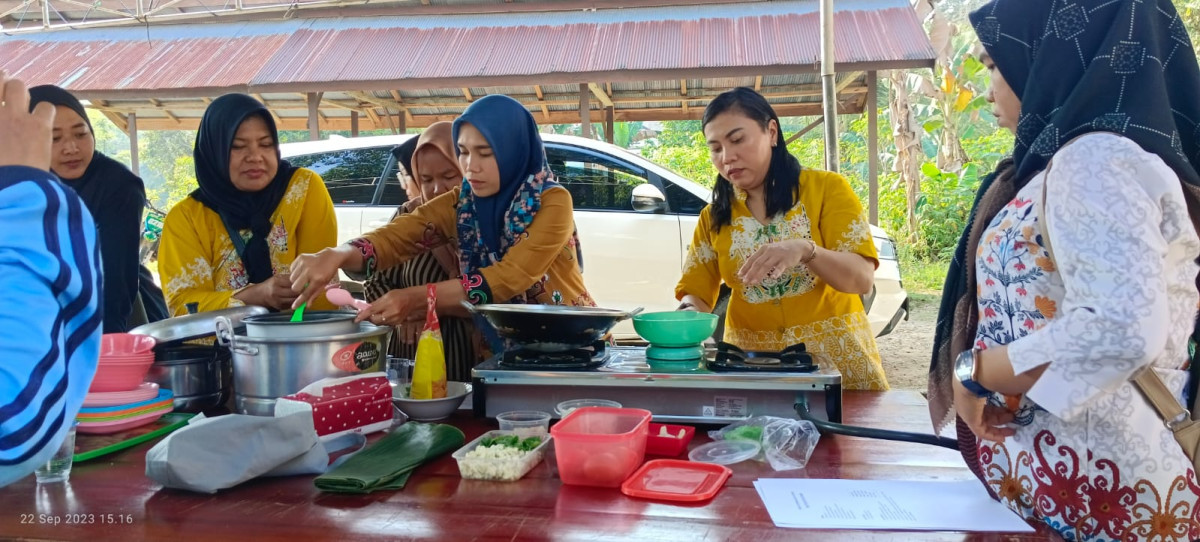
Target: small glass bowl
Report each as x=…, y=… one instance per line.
x=566, y=407
x=525, y=423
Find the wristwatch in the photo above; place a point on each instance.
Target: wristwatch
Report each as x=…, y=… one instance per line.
x=965, y=367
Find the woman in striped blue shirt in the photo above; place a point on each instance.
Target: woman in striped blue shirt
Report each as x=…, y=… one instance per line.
x=50, y=316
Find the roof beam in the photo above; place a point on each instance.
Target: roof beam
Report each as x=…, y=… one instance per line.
x=467, y=93
x=757, y=83
x=400, y=100
x=263, y=101
x=537, y=89
x=91, y=7
x=165, y=111
x=696, y=98
x=375, y=120
x=683, y=104
x=850, y=79
x=556, y=117
x=600, y=95
x=806, y=129
x=120, y=121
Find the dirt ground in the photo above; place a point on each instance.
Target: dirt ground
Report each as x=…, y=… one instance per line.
x=905, y=351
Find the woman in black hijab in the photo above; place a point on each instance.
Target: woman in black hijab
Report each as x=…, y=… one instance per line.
x=231, y=241
x=114, y=196
x=1077, y=273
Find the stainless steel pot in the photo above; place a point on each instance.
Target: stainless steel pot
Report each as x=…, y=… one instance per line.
x=265, y=369
x=550, y=328
x=200, y=377
x=314, y=324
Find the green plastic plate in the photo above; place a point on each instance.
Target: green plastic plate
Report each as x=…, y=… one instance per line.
x=93, y=446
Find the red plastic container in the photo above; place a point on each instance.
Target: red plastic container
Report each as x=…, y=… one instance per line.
x=600, y=446
x=676, y=480
x=656, y=444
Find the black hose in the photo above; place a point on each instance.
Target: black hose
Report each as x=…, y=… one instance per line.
x=867, y=432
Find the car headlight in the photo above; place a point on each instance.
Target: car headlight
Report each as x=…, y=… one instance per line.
x=886, y=248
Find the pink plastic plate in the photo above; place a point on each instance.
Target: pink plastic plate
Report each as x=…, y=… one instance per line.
x=145, y=392
x=104, y=428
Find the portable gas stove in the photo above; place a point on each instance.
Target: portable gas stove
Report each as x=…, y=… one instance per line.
x=726, y=385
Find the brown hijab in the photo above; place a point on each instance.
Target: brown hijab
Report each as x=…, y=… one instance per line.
x=436, y=137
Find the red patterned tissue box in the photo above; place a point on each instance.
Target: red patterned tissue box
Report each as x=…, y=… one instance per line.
x=360, y=404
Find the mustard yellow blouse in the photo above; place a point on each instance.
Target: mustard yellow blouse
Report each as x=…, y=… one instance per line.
x=797, y=307
x=541, y=266
x=197, y=261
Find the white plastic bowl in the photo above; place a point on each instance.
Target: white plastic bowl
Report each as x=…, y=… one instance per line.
x=431, y=410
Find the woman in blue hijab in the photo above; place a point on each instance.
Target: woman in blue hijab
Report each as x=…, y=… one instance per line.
x=513, y=224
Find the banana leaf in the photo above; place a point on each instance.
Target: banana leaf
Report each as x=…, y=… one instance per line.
x=389, y=462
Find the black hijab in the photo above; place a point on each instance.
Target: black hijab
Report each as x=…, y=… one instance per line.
x=115, y=197
x=404, y=153
x=1080, y=66
x=239, y=210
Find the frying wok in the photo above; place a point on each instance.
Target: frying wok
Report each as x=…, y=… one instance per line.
x=550, y=328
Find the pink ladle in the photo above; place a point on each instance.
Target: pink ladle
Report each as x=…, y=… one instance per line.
x=338, y=296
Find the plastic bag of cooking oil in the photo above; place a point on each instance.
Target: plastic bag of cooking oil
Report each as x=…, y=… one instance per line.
x=429, y=370
x=786, y=443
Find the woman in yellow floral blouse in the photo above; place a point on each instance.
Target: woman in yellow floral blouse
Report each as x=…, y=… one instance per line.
x=791, y=243
x=277, y=211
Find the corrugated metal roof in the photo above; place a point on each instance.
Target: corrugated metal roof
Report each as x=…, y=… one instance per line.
x=353, y=54
x=202, y=63
x=468, y=50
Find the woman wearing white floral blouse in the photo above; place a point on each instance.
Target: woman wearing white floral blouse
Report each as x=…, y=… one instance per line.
x=1101, y=95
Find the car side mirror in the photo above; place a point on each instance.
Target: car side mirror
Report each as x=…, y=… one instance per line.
x=647, y=198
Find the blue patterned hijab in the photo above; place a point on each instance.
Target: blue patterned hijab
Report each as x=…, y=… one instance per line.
x=488, y=226
x=1079, y=66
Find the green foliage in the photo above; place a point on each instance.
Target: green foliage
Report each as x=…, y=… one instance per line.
x=922, y=276
x=680, y=147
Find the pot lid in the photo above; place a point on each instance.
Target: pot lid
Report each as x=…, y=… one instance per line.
x=725, y=452
x=676, y=480
x=310, y=317
x=195, y=326
x=566, y=310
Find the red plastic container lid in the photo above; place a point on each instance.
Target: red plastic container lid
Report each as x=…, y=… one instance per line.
x=676, y=480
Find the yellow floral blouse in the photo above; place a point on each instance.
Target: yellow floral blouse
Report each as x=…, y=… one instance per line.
x=797, y=307
x=198, y=263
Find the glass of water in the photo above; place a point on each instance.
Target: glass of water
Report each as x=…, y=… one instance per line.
x=58, y=468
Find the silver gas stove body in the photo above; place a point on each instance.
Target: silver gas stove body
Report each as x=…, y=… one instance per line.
x=688, y=393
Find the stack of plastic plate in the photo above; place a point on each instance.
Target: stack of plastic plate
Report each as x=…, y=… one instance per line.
x=111, y=412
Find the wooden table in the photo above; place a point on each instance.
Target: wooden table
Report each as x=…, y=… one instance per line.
x=115, y=501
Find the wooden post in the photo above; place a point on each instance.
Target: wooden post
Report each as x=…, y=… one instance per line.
x=402, y=122
x=133, y=144
x=609, y=113
x=354, y=124
x=314, y=122
x=873, y=146
x=585, y=111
